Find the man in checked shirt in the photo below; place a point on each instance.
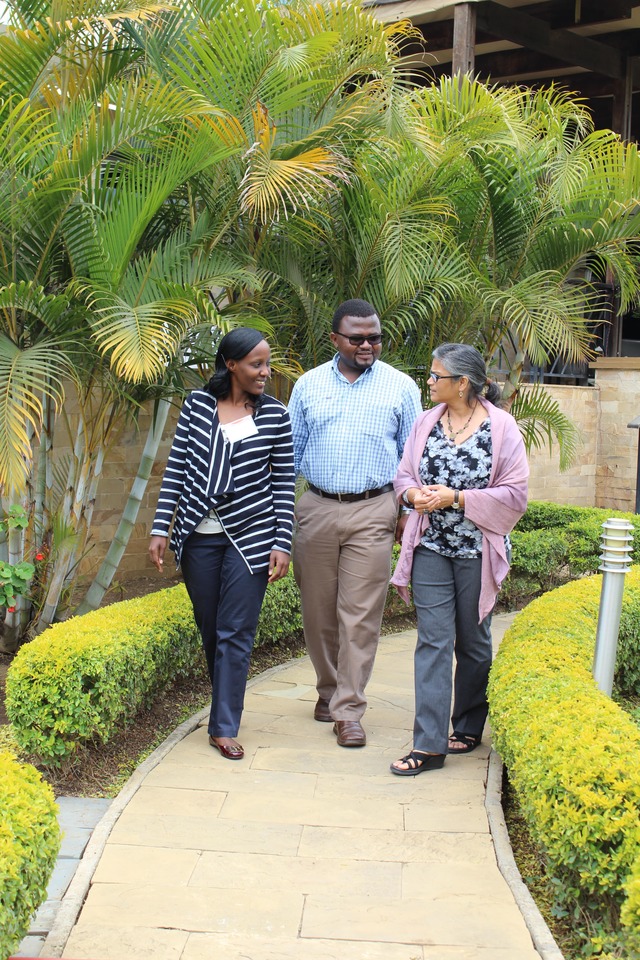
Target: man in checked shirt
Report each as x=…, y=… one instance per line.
x=350, y=419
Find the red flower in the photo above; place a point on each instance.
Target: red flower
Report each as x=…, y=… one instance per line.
x=39, y=556
x=11, y=609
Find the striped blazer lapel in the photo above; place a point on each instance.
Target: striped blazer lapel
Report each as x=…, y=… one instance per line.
x=220, y=480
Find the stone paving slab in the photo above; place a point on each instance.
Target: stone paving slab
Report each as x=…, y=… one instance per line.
x=403, y=846
x=233, y=778
x=77, y=818
x=158, y=865
x=304, y=850
x=302, y=874
x=202, y=948
x=407, y=790
x=31, y=946
x=61, y=878
x=276, y=913
x=436, y=881
x=200, y=833
x=486, y=923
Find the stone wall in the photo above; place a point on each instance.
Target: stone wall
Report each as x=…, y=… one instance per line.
x=618, y=383
x=604, y=474
x=577, y=485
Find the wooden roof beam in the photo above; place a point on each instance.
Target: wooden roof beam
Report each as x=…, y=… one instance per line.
x=565, y=13
x=508, y=65
x=520, y=28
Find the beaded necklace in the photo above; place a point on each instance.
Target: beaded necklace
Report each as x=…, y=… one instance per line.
x=453, y=434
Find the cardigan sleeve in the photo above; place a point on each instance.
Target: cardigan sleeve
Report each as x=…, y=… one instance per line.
x=173, y=479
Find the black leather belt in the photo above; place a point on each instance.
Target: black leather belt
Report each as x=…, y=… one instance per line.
x=352, y=497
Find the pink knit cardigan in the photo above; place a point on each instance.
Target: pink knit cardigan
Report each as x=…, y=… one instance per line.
x=495, y=510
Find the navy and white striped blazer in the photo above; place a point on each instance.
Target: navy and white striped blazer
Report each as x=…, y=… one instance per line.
x=250, y=483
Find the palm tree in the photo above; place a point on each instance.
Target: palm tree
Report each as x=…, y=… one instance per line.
x=150, y=181
x=538, y=197
x=473, y=227
x=167, y=173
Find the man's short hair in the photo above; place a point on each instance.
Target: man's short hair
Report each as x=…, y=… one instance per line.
x=352, y=308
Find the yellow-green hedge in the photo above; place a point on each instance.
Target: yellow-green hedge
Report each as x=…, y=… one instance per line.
x=573, y=755
x=29, y=844
x=88, y=676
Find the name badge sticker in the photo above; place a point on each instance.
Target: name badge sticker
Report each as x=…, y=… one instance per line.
x=239, y=429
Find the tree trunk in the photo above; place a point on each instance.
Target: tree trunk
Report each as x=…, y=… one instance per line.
x=514, y=378
x=15, y=623
x=107, y=571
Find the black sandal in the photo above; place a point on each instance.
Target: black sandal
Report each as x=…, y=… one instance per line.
x=418, y=763
x=469, y=743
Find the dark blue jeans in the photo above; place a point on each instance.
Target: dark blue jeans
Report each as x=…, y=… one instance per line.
x=446, y=592
x=226, y=600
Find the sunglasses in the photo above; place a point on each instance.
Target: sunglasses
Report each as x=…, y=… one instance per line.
x=356, y=341
x=438, y=376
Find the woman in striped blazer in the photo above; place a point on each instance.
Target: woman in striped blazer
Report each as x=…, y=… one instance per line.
x=229, y=489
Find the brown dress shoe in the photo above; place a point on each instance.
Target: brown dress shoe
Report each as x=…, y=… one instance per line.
x=321, y=711
x=349, y=733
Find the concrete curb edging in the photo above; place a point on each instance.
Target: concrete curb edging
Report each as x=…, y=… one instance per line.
x=75, y=895
x=540, y=934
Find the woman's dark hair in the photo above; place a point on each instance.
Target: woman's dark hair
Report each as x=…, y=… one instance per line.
x=234, y=346
x=462, y=360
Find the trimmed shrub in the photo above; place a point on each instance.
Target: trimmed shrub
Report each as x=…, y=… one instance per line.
x=29, y=844
x=280, y=617
x=628, y=658
x=573, y=755
x=541, y=514
x=84, y=678
x=553, y=544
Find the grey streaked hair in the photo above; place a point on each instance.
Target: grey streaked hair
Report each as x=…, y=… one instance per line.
x=462, y=360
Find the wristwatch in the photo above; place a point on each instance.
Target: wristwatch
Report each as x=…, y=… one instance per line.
x=456, y=500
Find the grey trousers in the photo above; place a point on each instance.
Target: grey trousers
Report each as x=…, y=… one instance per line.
x=446, y=592
x=341, y=562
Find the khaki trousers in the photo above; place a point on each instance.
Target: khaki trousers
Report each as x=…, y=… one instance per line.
x=342, y=565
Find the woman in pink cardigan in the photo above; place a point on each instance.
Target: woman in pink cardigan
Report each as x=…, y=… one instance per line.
x=464, y=475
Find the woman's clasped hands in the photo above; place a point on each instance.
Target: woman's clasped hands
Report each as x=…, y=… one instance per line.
x=431, y=497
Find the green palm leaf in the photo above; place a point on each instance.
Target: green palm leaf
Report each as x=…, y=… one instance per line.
x=542, y=422
x=27, y=375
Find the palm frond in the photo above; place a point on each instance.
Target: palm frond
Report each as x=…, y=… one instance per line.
x=141, y=339
x=27, y=375
x=542, y=423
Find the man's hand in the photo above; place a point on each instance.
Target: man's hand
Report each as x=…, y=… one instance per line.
x=400, y=525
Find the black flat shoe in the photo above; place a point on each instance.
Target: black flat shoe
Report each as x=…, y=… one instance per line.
x=230, y=751
x=418, y=763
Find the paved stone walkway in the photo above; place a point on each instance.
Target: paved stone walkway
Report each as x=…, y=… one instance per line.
x=305, y=850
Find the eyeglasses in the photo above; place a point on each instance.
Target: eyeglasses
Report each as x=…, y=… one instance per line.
x=356, y=341
x=438, y=376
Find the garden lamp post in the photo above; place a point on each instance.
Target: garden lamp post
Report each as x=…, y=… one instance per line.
x=617, y=538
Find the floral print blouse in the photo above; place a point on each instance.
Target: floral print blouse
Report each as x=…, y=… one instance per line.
x=459, y=467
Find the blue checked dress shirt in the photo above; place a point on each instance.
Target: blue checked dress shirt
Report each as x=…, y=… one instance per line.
x=349, y=437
